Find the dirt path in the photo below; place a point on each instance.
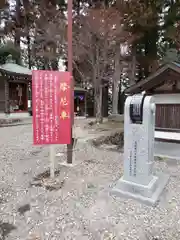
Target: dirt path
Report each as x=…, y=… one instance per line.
x=80, y=207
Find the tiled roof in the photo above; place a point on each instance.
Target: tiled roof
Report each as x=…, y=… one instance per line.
x=15, y=68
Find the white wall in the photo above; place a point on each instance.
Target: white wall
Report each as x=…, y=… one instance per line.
x=15, y=115
x=167, y=98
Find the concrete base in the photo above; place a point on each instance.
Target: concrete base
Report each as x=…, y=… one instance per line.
x=20, y=115
x=80, y=117
x=147, y=194
x=59, y=154
x=65, y=164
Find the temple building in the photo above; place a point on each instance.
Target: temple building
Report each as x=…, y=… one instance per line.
x=15, y=83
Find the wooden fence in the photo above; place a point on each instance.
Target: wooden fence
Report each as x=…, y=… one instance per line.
x=168, y=116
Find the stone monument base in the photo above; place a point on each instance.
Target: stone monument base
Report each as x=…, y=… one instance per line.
x=148, y=194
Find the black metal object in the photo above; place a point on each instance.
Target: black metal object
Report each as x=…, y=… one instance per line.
x=136, y=109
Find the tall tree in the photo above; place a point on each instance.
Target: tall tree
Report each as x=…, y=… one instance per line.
x=17, y=37
x=142, y=19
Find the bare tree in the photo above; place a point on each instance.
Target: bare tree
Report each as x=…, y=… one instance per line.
x=98, y=34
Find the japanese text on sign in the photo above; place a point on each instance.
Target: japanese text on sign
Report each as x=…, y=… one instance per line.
x=51, y=107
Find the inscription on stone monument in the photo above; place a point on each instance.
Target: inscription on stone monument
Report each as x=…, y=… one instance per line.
x=135, y=157
x=130, y=164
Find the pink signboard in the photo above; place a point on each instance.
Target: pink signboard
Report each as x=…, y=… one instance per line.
x=51, y=100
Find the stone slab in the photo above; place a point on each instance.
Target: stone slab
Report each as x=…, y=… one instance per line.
x=120, y=191
x=59, y=154
x=65, y=164
x=140, y=189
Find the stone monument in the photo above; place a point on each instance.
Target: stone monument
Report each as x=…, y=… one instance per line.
x=138, y=181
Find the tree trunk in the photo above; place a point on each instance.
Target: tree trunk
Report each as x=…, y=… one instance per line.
x=98, y=94
x=98, y=102
x=17, y=39
x=27, y=27
x=132, y=65
x=98, y=88
x=54, y=64
x=29, y=49
x=116, y=80
x=105, y=100
x=115, y=97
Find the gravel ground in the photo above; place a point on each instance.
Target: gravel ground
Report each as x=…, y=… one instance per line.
x=79, y=207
